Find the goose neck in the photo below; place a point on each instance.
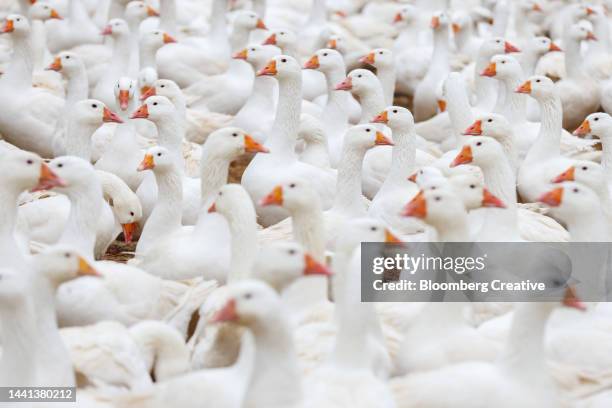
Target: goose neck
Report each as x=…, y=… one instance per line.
x=349, y=199
x=167, y=16
x=454, y=230
x=213, y=175
x=147, y=53
x=239, y=38
x=78, y=139
x=85, y=209
x=318, y=12
x=440, y=57
x=606, y=154
x=18, y=336
x=573, y=58
x=121, y=52
x=588, y=226
x=403, y=157
x=284, y=132
x=486, y=88
x=171, y=133
x=260, y=7
x=459, y=110
x=548, y=143
x=386, y=76
x=243, y=230
x=19, y=72
x=372, y=103
x=218, y=28
x=512, y=104
x=38, y=43
x=77, y=87
x=308, y=229
x=9, y=249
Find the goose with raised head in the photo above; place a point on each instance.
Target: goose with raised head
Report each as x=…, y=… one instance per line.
x=382, y=59
x=150, y=42
x=600, y=124
x=76, y=29
x=266, y=171
x=39, y=13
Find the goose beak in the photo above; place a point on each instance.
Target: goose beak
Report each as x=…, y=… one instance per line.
x=124, y=99
x=56, y=65
x=489, y=200
x=85, y=269
x=589, y=11
x=390, y=238
x=490, y=70
x=268, y=70
x=397, y=18
x=312, y=267
x=554, y=47
x=151, y=12
x=147, y=92
x=110, y=117
x=567, y=175
x=252, y=146
x=345, y=85
x=274, y=198
x=241, y=55
x=168, y=39
x=525, y=88
x=553, y=198
x=417, y=207
x=584, y=129
x=141, y=113
x=441, y=105
x=271, y=40
x=536, y=7
x=227, y=313
x=128, y=231
x=509, y=47
x=382, y=117
x=261, y=25
x=368, y=59
x=570, y=299
x=108, y=30
x=147, y=163
x=48, y=179
x=456, y=28
x=464, y=157
x=590, y=36
x=333, y=44
x=435, y=22
x=9, y=26
x=475, y=129
x=381, y=140
x=212, y=208
x=413, y=177
x=312, y=63
x=54, y=14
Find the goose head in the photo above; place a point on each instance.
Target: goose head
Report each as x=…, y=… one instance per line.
x=293, y=195
x=461, y=23
x=248, y=20
x=379, y=58
x=116, y=28
x=396, y=117
x=43, y=11
x=13, y=287
x=163, y=87
x=471, y=189
x=78, y=174
x=281, y=67
x=156, y=109
x=92, y=112
x=338, y=43
x=124, y=92
x=158, y=159
x=24, y=171
x=249, y=303
x=493, y=125
x=234, y=203
x=155, y=39
x=325, y=60
x=360, y=230
x=68, y=63
x=440, y=22
x=538, y=87
x=496, y=46
x=585, y=172
x=231, y=143
x=281, y=264
x=570, y=200
x=281, y=38
x=406, y=16
x=257, y=55
x=127, y=210
x=503, y=67
x=146, y=79
x=480, y=151
x=426, y=174
x=359, y=82
x=580, y=32
x=138, y=11
x=61, y=263
x=542, y=45
x=16, y=25
x=596, y=124
x=364, y=137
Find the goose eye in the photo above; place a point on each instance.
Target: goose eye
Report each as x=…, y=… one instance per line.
x=291, y=252
x=284, y=60
x=292, y=185
x=368, y=129
x=60, y=165
x=472, y=185
x=489, y=120
x=154, y=103
x=248, y=295
x=93, y=105
x=325, y=54
x=596, y=119
x=374, y=229
x=575, y=190
x=220, y=193
x=359, y=76
x=67, y=255
x=437, y=198
x=380, y=52
x=162, y=86
x=434, y=187
x=132, y=213
x=235, y=134
x=498, y=41
x=29, y=161
x=503, y=62
x=394, y=110
x=584, y=168
x=538, y=81
x=67, y=56
x=479, y=144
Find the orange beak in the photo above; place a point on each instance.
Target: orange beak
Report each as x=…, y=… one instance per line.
x=553, y=198
x=567, y=175
x=570, y=299
x=475, y=129
x=312, y=63
x=591, y=37
x=227, y=313
x=382, y=117
x=413, y=177
x=584, y=129
x=508, y=48
x=456, y=28
x=368, y=59
x=212, y=208
x=124, y=99
x=417, y=207
x=525, y=88
x=9, y=26
x=241, y=55
x=151, y=12
x=268, y=70
x=312, y=267
x=345, y=85
x=141, y=113
x=381, y=140
x=589, y=11
x=435, y=22
x=128, y=231
x=110, y=117
x=252, y=146
x=397, y=18
x=554, y=47
x=390, y=238
x=168, y=39
x=441, y=105
x=536, y=7
x=464, y=157
x=55, y=14
x=147, y=163
x=489, y=200
x=147, y=92
x=48, y=179
x=56, y=65
x=108, y=30
x=271, y=40
x=274, y=198
x=261, y=25
x=85, y=269
x=332, y=44
x=490, y=70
